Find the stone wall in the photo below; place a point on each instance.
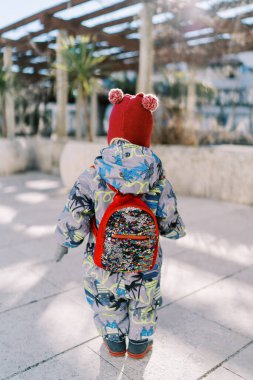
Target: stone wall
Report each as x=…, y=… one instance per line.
x=15, y=155
x=48, y=153
x=221, y=172
x=34, y=153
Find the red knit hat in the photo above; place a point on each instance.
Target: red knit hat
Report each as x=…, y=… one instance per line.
x=131, y=117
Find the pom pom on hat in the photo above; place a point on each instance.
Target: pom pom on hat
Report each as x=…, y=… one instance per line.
x=150, y=102
x=115, y=95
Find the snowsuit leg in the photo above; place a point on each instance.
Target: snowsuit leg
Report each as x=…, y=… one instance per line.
x=123, y=303
x=110, y=312
x=143, y=320
x=118, y=316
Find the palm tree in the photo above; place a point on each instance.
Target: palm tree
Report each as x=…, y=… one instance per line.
x=82, y=64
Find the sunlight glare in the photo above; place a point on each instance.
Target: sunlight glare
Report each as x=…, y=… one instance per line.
x=31, y=198
x=42, y=184
x=7, y=214
x=40, y=231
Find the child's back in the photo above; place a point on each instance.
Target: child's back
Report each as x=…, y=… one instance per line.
x=124, y=303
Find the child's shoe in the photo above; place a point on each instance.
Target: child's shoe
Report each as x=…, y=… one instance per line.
x=115, y=348
x=137, y=349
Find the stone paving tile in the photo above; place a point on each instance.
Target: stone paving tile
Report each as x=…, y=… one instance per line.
x=193, y=336
x=242, y=363
x=218, y=220
x=228, y=302
x=64, y=275
x=232, y=227
x=27, y=214
x=81, y=363
x=203, y=210
x=179, y=279
x=227, y=250
x=223, y=374
x=192, y=270
x=19, y=286
x=12, y=236
x=172, y=247
x=39, y=255
x=38, y=331
x=28, y=252
x=38, y=245
x=77, y=295
x=185, y=347
x=181, y=275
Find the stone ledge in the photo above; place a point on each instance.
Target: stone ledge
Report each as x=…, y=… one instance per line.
x=15, y=155
x=220, y=172
x=29, y=153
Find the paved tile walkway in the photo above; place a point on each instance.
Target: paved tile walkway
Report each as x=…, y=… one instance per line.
x=46, y=328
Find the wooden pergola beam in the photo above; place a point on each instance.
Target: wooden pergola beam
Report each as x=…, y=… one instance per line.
x=36, y=16
x=115, y=22
x=35, y=66
x=32, y=35
x=170, y=44
x=118, y=66
x=224, y=5
x=104, y=11
x=34, y=77
x=200, y=54
x=76, y=29
x=22, y=46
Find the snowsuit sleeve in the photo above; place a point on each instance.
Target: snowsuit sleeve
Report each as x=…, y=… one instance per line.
x=170, y=222
x=74, y=221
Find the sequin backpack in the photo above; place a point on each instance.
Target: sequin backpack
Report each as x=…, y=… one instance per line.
x=127, y=237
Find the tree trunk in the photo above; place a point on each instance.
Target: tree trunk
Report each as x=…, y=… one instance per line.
x=251, y=119
x=87, y=118
x=4, y=124
x=191, y=99
x=94, y=112
x=9, y=95
x=79, y=113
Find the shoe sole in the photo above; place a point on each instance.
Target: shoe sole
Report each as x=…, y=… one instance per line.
x=114, y=353
x=140, y=356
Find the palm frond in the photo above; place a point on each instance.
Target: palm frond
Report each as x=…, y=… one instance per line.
x=81, y=61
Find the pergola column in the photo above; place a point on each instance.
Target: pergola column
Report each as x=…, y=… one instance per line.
x=61, y=87
x=191, y=98
x=9, y=99
x=146, y=50
x=94, y=112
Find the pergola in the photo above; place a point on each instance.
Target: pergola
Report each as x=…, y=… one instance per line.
x=183, y=31
x=134, y=34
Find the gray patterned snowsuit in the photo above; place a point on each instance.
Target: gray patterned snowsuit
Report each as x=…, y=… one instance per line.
x=123, y=303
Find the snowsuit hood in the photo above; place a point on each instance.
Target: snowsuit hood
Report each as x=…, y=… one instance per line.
x=129, y=168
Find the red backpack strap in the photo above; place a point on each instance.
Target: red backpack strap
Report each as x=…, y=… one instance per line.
x=112, y=188
x=93, y=220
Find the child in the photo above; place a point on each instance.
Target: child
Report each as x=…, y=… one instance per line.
x=124, y=303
